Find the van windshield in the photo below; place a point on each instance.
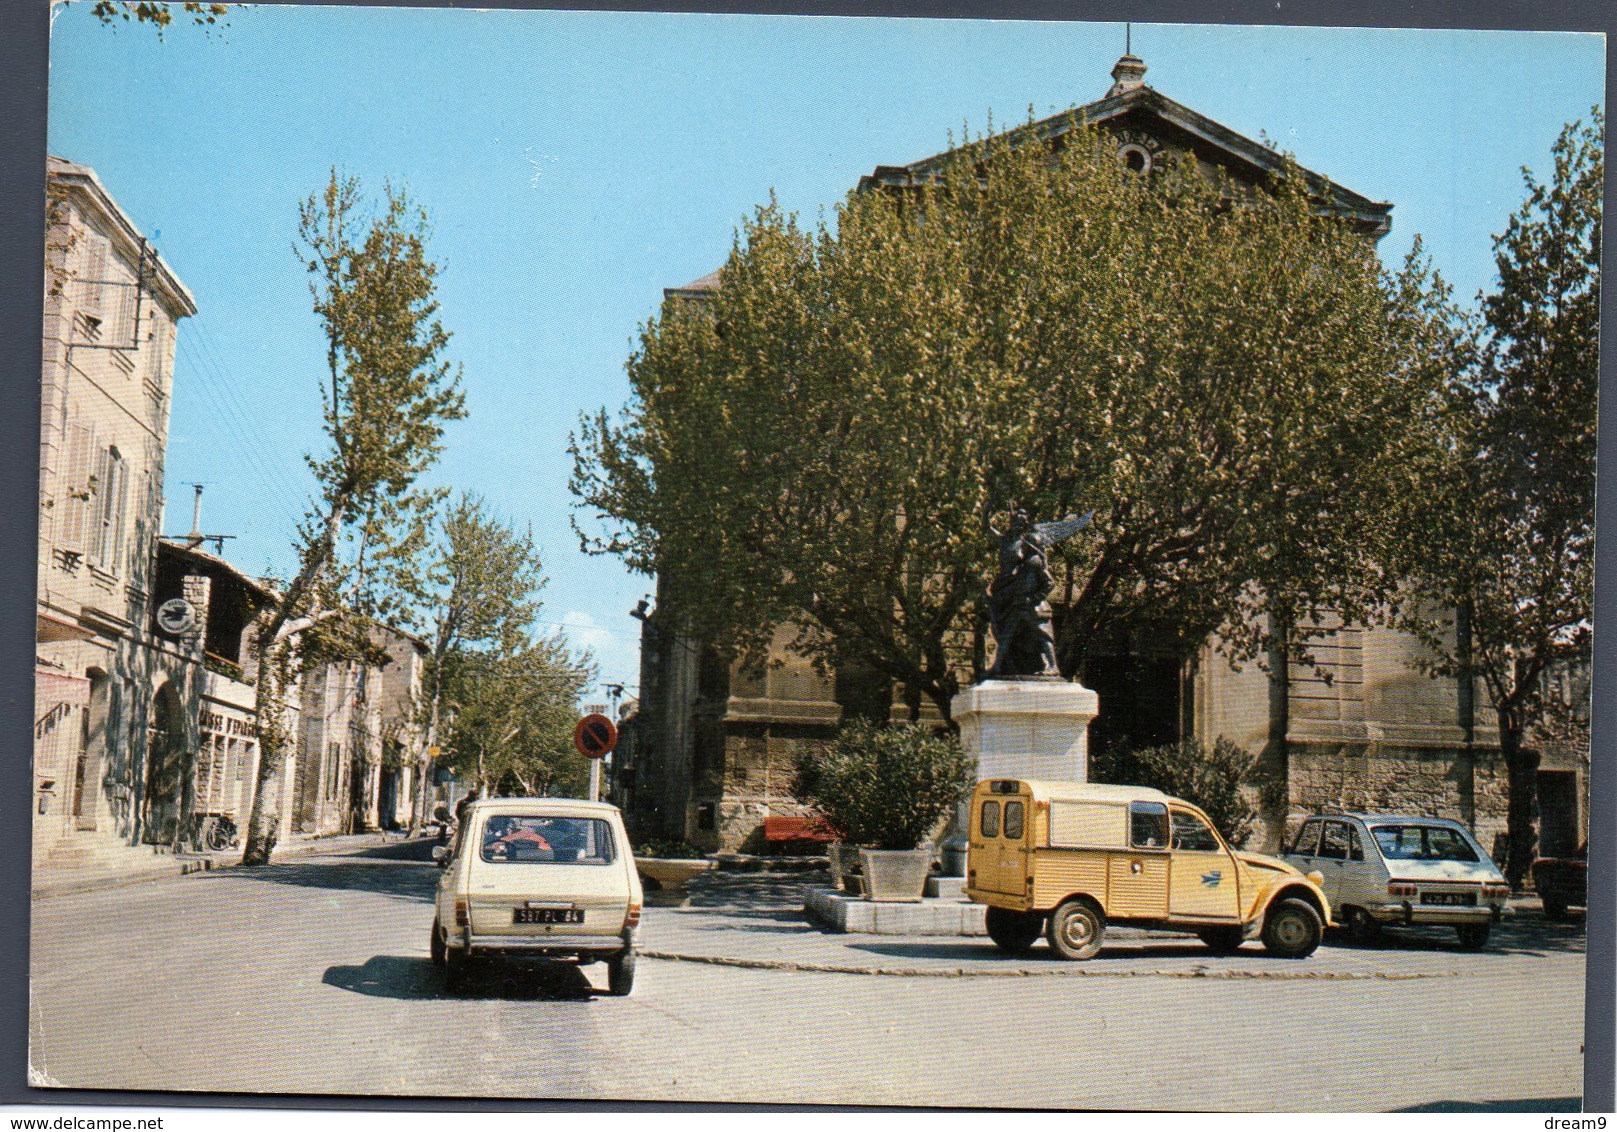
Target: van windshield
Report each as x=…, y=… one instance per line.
x=532, y=838
x=1423, y=843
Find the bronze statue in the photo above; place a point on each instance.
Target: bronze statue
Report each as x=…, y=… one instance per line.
x=1017, y=610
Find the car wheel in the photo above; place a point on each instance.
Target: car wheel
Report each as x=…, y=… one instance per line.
x=1473, y=937
x=1076, y=929
x=455, y=973
x=1362, y=926
x=620, y=972
x=1222, y=941
x=1554, y=908
x=1292, y=929
x=437, y=946
x=1013, y=932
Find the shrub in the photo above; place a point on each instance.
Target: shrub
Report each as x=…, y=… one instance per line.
x=885, y=786
x=1214, y=780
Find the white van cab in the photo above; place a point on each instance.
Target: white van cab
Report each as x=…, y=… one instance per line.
x=546, y=878
x=1394, y=869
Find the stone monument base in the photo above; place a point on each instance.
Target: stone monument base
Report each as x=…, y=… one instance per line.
x=1027, y=727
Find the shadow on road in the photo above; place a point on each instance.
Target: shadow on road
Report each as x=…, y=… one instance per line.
x=981, y=948
x=1536, y=1104
x=758, y=891
x=403, y=883
x=398, y=976
x=1519, y=935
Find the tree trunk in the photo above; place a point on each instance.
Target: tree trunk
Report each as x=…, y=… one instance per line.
x=263, y=826
x=1274, y=764
x=1521, y=765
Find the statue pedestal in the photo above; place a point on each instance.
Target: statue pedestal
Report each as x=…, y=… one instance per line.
x=1033, y=727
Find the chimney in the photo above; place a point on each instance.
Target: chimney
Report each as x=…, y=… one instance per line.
x=1129, y=74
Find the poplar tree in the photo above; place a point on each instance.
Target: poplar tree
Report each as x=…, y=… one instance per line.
x=386, y=397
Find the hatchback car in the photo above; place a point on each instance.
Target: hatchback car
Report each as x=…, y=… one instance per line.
x=1382, y=869
x=546, y=878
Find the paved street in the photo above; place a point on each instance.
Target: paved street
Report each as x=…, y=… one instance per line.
x=313, y=976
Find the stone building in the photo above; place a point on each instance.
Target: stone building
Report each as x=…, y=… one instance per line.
x=113, y=715
x=713, y=747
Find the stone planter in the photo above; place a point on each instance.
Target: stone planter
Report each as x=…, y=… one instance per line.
x=895, y=875
x=670, y=874
x=844, y=861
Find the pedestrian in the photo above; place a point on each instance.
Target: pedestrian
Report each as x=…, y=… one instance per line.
x=461, y=806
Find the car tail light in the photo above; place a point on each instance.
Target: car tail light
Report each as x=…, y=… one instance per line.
x=461, y=918
x=1401, y=888
x=1496, y=890
x=633, y=918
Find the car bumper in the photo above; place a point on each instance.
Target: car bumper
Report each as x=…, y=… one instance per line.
x=549, y=946
x=1406, y=913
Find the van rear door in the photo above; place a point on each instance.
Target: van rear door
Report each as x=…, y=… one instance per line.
x=1001, y=826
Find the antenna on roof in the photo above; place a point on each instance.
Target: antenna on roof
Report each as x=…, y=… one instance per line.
x=1128, y=39
x=194, y=538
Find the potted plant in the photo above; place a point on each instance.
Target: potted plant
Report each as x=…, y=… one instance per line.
x=670, y=865
x=885, y=789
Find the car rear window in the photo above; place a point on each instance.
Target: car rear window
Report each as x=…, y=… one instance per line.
x=1422, y=843
x=514, y=839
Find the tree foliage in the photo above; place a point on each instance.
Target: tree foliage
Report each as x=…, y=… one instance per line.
x=1510, y=507
x=159, y=15
x=386, y=397
x=1220, y=780
x=498, y=699
x=1227, y=378
x=885, y=786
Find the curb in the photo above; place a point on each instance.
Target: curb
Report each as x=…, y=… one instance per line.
x=1065, y=972
x=182, y=867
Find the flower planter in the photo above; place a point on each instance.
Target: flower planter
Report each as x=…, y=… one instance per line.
x=670, y=874
x=844, y=861
x=895, y=875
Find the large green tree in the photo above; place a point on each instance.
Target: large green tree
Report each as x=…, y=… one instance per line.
x=1510, y=509
x=387, y=394
x=831, y=433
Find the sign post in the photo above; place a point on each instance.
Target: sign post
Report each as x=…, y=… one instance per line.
x=594, y=736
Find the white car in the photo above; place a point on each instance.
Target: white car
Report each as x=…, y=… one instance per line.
x=547, y=878
x=1394, y=869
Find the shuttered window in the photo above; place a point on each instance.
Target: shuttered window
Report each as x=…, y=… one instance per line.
x=111, y=505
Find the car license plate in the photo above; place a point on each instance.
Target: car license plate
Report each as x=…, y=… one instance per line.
x=1448, y=898
x=547, y=915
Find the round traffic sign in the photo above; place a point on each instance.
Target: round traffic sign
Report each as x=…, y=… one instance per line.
x=595, y=735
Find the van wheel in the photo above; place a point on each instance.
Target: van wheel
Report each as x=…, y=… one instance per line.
x=437, y=946
x=1222, y=941
x=1013, y=932
x=1292, y=929
x=620, y=972
x=1473, y=937
x=1362, y=926
x=1076, y=928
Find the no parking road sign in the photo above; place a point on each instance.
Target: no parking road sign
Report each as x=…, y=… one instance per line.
x=594, y=736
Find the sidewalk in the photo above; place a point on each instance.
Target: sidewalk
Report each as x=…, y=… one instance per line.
x=756, y=921
x=117, y=867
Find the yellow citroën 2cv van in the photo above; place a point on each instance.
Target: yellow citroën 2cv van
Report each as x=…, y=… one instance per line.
x=1067, y=858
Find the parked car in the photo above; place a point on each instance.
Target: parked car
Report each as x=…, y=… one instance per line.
x=1562, y=882
x=543, y=878
x=1384, y=869
x=1069, y=858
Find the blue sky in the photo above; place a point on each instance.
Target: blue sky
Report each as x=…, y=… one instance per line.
x=575, y=164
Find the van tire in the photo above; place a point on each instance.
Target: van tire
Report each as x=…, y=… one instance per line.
x=1013, y=932
x=1292, y=929
x=1076, y=928
x=437, y=949
x=620, y=972
x=1222, y=941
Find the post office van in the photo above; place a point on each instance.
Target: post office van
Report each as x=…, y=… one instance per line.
x=1066, y=859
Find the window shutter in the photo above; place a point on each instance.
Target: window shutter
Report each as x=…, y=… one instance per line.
x=92, y=272
x=73, y=482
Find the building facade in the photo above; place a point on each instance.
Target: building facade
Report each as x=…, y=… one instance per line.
x=111, y=711
x=714, y=746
